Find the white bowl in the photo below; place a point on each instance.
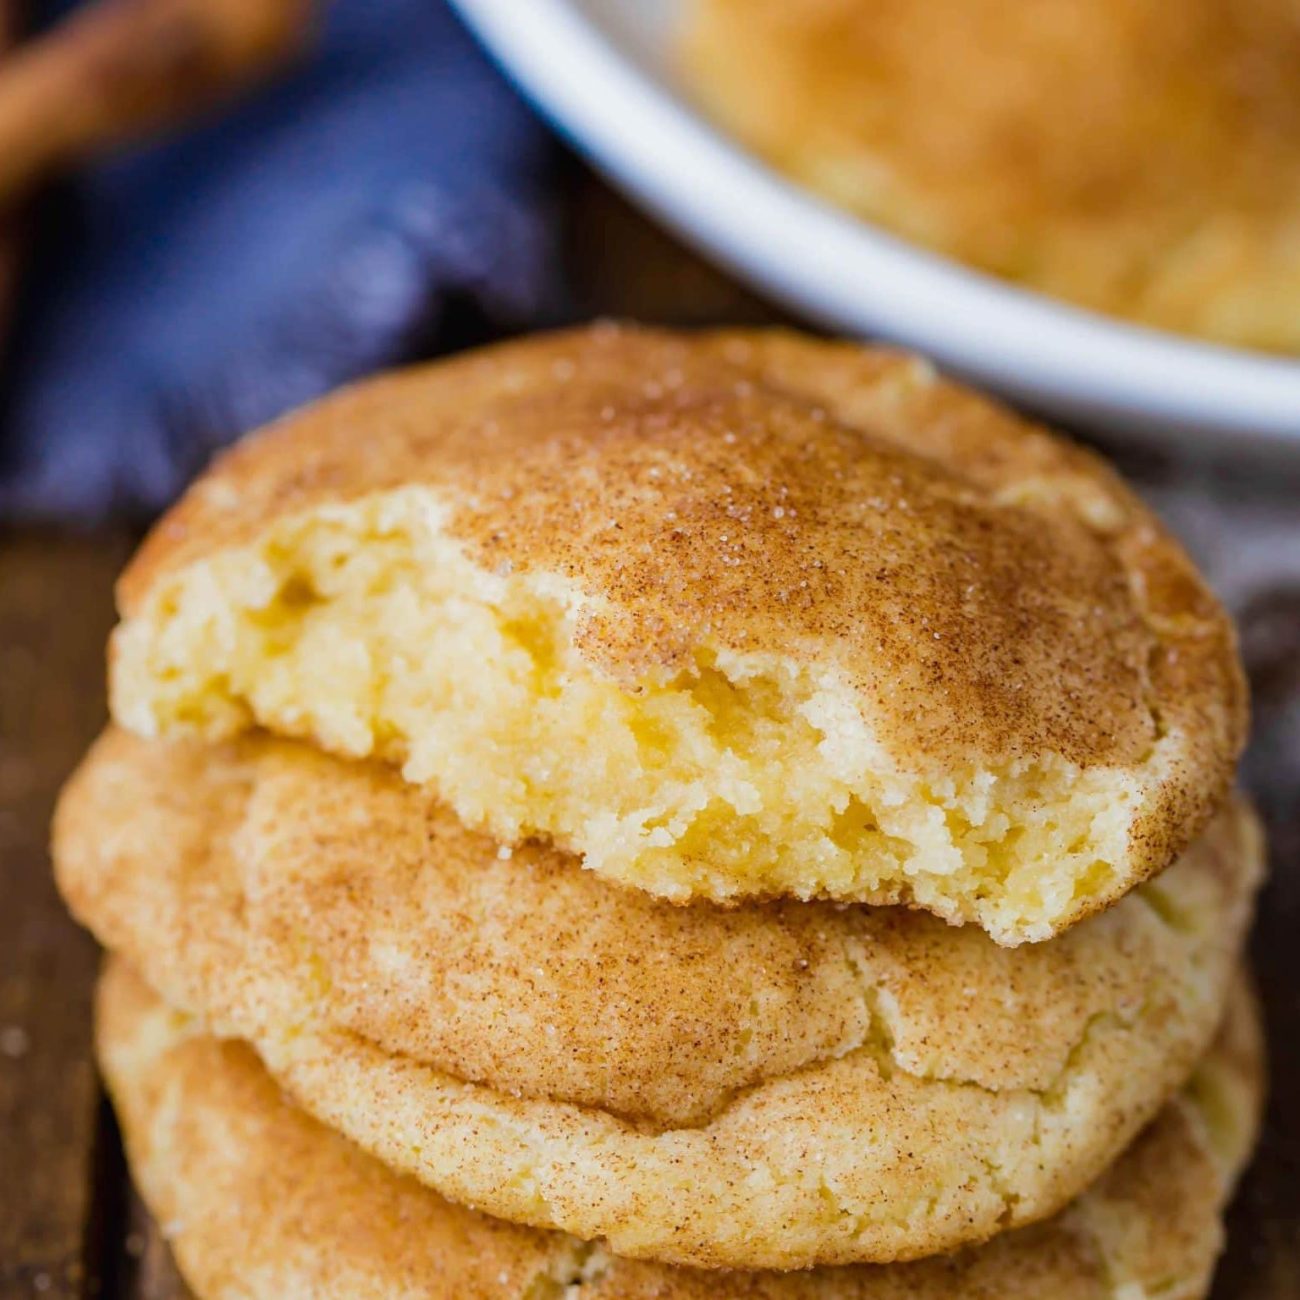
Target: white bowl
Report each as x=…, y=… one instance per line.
x=601, y=71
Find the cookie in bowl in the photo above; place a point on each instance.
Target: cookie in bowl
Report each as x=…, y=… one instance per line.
x=1128, y=156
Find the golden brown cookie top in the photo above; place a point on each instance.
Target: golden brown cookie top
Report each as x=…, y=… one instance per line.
x=934, y=585
x=986, y=587
x=1133, y=156
x=255, y=1195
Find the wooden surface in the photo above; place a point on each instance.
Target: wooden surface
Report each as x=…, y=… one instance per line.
x=55, y=609
x=69, y=1225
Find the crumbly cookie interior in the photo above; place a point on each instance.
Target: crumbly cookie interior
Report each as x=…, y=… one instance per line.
x=366, y=629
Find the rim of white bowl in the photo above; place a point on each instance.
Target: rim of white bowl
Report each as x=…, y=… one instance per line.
x=845, y=274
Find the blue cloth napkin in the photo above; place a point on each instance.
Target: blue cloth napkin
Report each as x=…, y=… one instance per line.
x=323, y=228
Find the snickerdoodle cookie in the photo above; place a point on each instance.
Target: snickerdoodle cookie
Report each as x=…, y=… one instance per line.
x=729, y=615
x=262, y=1203
x=780, y=1085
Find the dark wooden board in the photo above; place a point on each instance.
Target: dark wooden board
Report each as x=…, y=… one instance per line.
x=69, y=1224
x=55, y=610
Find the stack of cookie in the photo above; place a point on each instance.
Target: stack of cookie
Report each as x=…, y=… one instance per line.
x=627, y=814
